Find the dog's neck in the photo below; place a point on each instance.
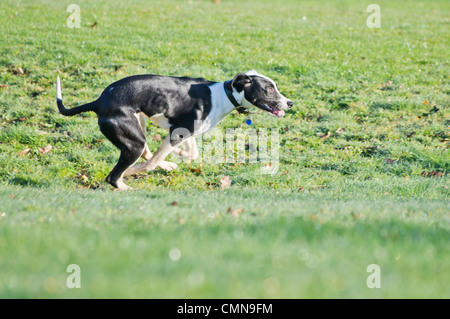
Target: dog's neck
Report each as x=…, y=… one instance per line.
x=230, y=93
x=221, y=104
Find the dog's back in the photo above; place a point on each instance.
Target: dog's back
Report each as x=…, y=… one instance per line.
x=156, y=94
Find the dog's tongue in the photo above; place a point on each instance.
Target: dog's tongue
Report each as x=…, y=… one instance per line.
x=279, y=113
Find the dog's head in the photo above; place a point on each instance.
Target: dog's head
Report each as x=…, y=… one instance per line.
x=253, y=89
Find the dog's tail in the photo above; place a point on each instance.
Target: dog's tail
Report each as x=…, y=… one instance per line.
x=76, y=110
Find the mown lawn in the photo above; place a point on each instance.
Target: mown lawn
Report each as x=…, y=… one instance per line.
x=363, y=155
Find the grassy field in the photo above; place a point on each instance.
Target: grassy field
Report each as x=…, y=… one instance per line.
x=363, y=155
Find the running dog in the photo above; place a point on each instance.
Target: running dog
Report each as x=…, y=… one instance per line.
x=185, y=106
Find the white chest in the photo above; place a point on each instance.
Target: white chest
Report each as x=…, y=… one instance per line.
x=220, y=107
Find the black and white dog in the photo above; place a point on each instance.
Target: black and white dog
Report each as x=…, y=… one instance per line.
x=178, y=104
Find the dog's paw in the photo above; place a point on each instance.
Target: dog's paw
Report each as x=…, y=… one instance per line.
x=123, y=187
x=168, y=166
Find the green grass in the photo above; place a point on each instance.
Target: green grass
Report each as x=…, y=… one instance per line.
x=312, y=246
x=375, y=191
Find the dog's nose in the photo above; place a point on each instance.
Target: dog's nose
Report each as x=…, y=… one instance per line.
x=290, y=104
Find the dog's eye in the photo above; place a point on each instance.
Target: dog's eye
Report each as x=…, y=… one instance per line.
x=270, y=90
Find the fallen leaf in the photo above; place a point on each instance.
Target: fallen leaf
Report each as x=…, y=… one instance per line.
x=24, y=152
x=45, y=150
x=340, y=130
x=82, y=176
x=235, y=212
x=174, y=203
x=225, y=182
x=157, y=137
x=20, y=71
x=196, y=170
x=94, y=24
x=326, y=136
x=432, y=174
x=3, y=86
x=209, y=184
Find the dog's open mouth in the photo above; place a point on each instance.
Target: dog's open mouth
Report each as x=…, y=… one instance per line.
x=272, y=110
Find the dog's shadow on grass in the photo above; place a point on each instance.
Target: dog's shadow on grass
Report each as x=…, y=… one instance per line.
x=27, y=181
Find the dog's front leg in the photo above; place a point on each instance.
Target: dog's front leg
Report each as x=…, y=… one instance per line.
x=156, y=160
x=191, y=151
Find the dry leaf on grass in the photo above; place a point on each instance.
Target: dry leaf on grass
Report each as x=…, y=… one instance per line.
x=235, y=212
x=45, y=150
x=432, y=174
x=225, y=182
x=24, y=152
x=212, y=184
x=326, y=136
x=82, y=176
x=196, y=170
x=20, y=71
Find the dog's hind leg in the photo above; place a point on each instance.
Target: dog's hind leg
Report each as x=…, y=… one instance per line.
x=125, y=133
x=146, y=154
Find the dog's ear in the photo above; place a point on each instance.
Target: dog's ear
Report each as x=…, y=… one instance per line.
x=240, y=81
